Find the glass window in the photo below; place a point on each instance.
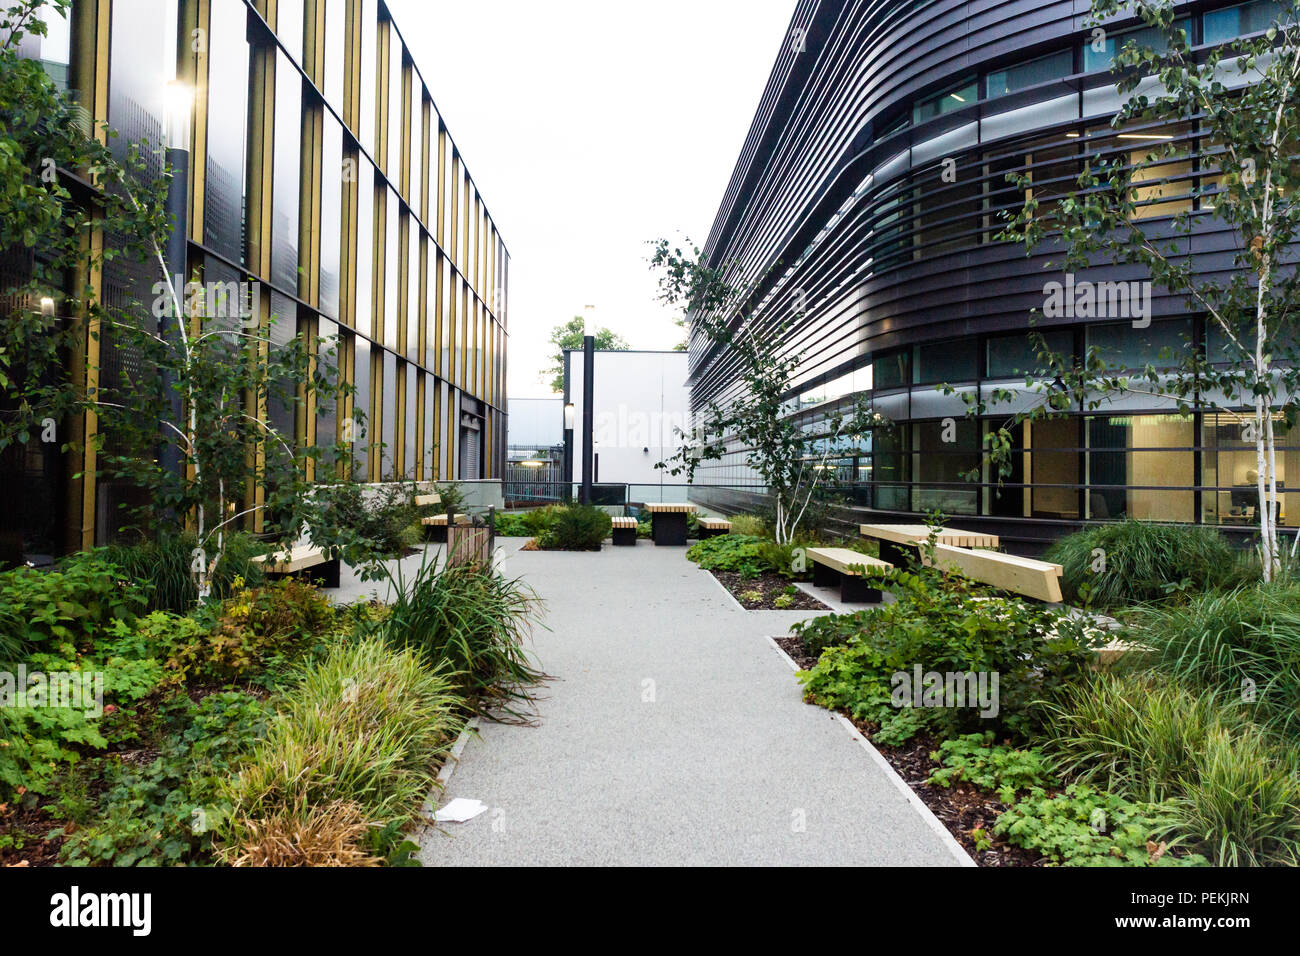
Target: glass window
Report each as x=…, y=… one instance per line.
x=331, y=215
x=1099, y=55
x=1141, y=466
x=945, y=362
x=415, y=160
x=288, y=25
x=362, y=433
x=387, y=388
x=1014, y=356
x=939, y=466
x=287, y=173
x=410, y=448
x=327, y=428
x=1054, y=467
x=336, y=36
x=1123, y=347
x=891, y=371
x=280, y=401
x=415, y=290
x=224, y=181
x=1022, y=75
x=1220, y=26
x=1229, y=471
x=954, y=99
x=429, y=439
x=392, y=271
x=394, y=93
x=54, y=50
x=368, y=73
x=365, y=247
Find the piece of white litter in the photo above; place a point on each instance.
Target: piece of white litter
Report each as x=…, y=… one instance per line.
x=460, y=810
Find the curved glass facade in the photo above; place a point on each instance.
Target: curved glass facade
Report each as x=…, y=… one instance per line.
x=871, y=208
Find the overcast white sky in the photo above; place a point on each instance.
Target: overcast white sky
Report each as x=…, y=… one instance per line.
x=592, y=127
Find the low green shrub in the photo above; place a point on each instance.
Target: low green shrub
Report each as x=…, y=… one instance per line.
x=1115, y=565
x=367, y=725
x=1244, y=644
x=870, y=657
x=55, y=728
x=1085, y=827
x=737, y=553
x=258, y=631
x=70, y=604
x=369, y=524
x=164, y=812
x=511, y=526
x=576, y=528
x=977, y=760
x=476, y=620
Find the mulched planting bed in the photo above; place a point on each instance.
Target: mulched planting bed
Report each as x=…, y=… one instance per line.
x=961, y=808
x=30, y=824
x=771, y=586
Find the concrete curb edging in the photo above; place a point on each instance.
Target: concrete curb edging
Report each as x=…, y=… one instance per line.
x=444, y=773
x=934, y=823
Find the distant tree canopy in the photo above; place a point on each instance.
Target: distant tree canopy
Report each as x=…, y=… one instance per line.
x=569, y=336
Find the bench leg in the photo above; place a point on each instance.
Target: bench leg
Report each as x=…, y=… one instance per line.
x=895, y=553
x=856, y=590
x=438, y=533
x=824, y=576
x=624, y=537
x=669, y=528
x=327, y=574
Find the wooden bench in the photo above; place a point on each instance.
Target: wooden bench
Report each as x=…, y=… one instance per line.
x=668, y=522
x=297, y=560
x=1008, y=572
x=896, y=539
x=710, y=527
x=438, y=525
x=845, y=568
x=624, y=533
x=424, y=501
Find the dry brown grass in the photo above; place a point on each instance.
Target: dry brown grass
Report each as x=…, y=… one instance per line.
x=328, y=835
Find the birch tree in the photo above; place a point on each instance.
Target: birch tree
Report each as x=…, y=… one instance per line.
x=792, y=459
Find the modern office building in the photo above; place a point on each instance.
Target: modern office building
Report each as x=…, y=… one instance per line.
x=319, y=168
x=867, y=201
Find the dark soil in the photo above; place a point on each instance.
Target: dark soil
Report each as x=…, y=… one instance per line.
x=771, y=586
x=28, y=825
x=794, y=647
x=962, y=808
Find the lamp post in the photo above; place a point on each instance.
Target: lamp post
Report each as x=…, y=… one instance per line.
x=179, y=106
x=567, y=473
x=588, y=413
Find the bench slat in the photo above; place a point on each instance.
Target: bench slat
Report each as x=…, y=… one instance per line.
x=303, y=556
x=422, y=501
x=1009, y=572
x=843, y=559
x=714, y=524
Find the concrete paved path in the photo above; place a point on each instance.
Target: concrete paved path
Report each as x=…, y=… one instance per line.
x=672, y=733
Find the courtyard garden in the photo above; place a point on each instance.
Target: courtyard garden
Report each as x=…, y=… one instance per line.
x=1034, y=740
